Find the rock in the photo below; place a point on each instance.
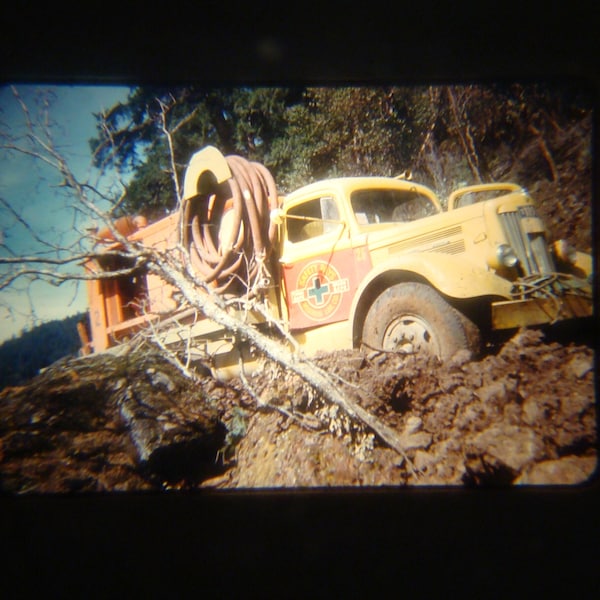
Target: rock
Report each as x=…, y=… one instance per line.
x=471, y=417
x=575, y=405
x=533, y=412
x=356, y=363
x=512, y=413
x=416, y=440
x=461, y=358
x=510, y=445
x=412, y=437
x=527, y=337
x=493, y=391
x=422, y=460
x=158, y=379
x=580, y=366
x=568, y=470
x=413, y=424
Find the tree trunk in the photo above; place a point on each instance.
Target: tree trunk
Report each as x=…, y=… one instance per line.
x=171, y=444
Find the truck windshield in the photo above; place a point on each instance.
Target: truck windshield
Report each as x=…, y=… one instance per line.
x=390, y=206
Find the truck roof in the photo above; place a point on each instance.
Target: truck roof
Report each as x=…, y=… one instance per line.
x=347, y=185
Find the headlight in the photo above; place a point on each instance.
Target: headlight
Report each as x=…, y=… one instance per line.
x=506, y=256
x=565, y=252
x=502, y=257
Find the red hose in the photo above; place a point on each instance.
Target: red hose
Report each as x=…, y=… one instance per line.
x=236, y=266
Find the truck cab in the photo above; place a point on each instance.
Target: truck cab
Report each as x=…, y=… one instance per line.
x=485, y=262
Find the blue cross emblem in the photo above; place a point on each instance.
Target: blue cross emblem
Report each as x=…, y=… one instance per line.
x=318, y=291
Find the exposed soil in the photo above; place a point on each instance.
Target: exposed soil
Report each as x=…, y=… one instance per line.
x=524, y=414
x=562, y=188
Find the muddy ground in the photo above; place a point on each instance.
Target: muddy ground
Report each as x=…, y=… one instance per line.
x=523, y=414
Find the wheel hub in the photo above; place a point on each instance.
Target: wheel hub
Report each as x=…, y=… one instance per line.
x=410, y=334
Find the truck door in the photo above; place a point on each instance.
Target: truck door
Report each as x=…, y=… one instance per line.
x=321, y=268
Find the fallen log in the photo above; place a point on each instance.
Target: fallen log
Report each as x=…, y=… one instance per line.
x=105, y=422
x=172, y=444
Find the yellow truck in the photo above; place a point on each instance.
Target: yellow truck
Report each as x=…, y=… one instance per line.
x=344, y=262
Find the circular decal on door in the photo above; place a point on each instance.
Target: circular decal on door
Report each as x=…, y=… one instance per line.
x=319, y=290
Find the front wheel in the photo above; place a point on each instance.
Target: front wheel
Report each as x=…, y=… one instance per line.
x=413, y=318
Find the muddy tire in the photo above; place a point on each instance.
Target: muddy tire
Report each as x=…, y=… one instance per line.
x=413, y=318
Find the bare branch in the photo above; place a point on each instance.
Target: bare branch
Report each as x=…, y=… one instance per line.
x=184, y=121
x=465, y=137
x=77, y=258
x=56, y=278
x=169, y=136
x=23, y=222
x=169, y=355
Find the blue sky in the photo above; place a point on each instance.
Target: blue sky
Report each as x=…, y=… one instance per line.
x=31, y=190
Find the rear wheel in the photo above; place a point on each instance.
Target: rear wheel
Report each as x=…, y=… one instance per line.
x=413, y=318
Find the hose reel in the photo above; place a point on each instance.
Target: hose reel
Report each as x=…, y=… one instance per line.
x=227, y=229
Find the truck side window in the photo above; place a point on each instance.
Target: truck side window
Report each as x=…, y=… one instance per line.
x=312, y=218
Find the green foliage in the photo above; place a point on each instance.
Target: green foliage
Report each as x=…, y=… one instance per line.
x=447, y=135
x=237, y=427
x=21, y=358
x=349, y=131
x=150, y=192
x=131, y=136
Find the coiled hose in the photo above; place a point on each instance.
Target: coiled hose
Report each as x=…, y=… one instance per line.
x=228, y=232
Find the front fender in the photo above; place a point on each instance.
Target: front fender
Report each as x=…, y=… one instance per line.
x=451, y=275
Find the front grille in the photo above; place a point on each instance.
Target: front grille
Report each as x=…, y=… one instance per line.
x=531, y=249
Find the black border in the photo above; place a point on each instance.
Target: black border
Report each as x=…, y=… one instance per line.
x=295, y=542
x=426, y=42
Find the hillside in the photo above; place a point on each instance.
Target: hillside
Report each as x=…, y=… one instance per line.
x=522, y=415
x=23, y=356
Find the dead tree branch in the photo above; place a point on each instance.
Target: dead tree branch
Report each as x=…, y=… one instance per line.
x=212, y=306
x=306, y=369
x=169, y=136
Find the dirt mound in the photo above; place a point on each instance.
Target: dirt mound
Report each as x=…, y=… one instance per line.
x=523, y=414
x=106, y=424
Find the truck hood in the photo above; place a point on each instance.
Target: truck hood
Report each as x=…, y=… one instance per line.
x=422, y=234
